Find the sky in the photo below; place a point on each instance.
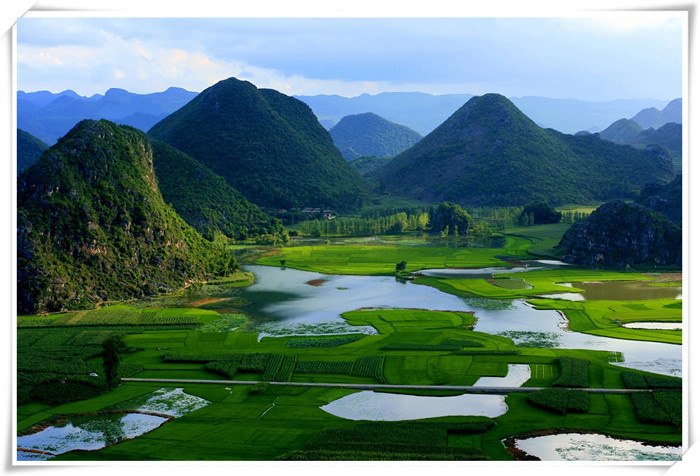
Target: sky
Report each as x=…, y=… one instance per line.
x=617, y=56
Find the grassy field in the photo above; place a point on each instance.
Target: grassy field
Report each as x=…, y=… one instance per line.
x=413, y=347
x=605, y=318
x=175, y=337
x=382, y=259
x=542, y=282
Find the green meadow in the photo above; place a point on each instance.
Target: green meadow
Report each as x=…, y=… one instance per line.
x=382, y=259
x=189, y=336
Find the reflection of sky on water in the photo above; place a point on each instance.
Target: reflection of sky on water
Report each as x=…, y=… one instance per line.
x=380, y=406
x=294, y=303
x=595, y=447
x=92, y=432
x=87, y=433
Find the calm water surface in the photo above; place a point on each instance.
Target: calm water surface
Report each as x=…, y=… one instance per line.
x=380, y=406
x=619, y=290
x=595, y=447
x=285, y=304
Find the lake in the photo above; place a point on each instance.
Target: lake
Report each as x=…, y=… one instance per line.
x=283, y=303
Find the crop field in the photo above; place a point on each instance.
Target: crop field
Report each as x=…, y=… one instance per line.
x=177, y=337
x=542, y=282
x=382, y=259
x=604, y=318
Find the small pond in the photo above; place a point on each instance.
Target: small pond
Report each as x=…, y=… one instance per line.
x=595, y=447
x=619, y=290
x=85, y=433
x=121, y=422
x=485, y=273
x=380, y=406
x=671, y=326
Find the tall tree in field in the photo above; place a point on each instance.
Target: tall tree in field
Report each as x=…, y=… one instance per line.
x=111, y=348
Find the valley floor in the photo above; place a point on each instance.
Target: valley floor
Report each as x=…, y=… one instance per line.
x=282, y=329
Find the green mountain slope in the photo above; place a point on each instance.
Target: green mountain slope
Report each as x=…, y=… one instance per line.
x=368, y=134
x=490, y=153
x=267, y=145
x=666, y=200
x=622, y=131
x=29, y=149
x=204, y=200
x=93, y=226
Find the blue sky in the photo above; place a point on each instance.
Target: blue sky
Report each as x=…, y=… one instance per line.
x=617, y=56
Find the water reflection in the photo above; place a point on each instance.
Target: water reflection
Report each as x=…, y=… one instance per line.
x=595, y=447
x=618, y=290
x=317, y=309
x=380, y=406
x=86, y=433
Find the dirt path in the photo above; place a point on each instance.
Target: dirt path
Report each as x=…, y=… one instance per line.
x=371, y=386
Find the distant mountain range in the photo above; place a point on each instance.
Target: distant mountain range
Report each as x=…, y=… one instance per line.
x=652, y=117
x=49, y=116
x=424, y=112
x=490, y=153
x=362, y=135
x=267, y=145
x=651, y=127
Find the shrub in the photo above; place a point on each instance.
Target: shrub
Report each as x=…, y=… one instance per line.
x=574, y=372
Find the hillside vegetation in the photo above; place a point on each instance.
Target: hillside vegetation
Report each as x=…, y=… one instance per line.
x=267, y=145
x=29, y=149
x=93, y=226
x=368, y=134
x=204, y=200
x=490, y=153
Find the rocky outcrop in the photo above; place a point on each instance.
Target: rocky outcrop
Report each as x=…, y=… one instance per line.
x=623, y=234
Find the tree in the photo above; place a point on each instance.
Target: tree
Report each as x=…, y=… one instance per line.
x=450, y=218
x=400, y=266
x=111, y=348
x=541, y=212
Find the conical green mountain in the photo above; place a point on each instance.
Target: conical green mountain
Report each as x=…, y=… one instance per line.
x=204, y=200
x=489, y=153
x=93, y=226
x=267, y=145
x=364, y=135
x=29, y=149
x=622, y=131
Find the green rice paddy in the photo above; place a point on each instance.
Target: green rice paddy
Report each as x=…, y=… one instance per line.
x=411, y=347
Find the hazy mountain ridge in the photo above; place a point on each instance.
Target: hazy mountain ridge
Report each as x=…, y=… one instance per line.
x=93, y=226
x=29, y=149
x=367, y=134
x=49, y=116
x=267, y=145
x=423, y=112
x=652, y=117
x=490, y=153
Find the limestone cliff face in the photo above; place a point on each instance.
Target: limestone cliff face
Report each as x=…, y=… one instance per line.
x=620, y=234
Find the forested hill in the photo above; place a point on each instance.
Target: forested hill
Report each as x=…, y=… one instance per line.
x=267, y=145
x=364, y=135
x=92, y=225
x=489, y=153
x=29, y=149
x=205, y=200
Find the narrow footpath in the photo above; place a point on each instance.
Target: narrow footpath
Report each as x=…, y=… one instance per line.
x=379, y=386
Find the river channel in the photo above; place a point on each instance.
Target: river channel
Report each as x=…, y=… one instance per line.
x=282, y=302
